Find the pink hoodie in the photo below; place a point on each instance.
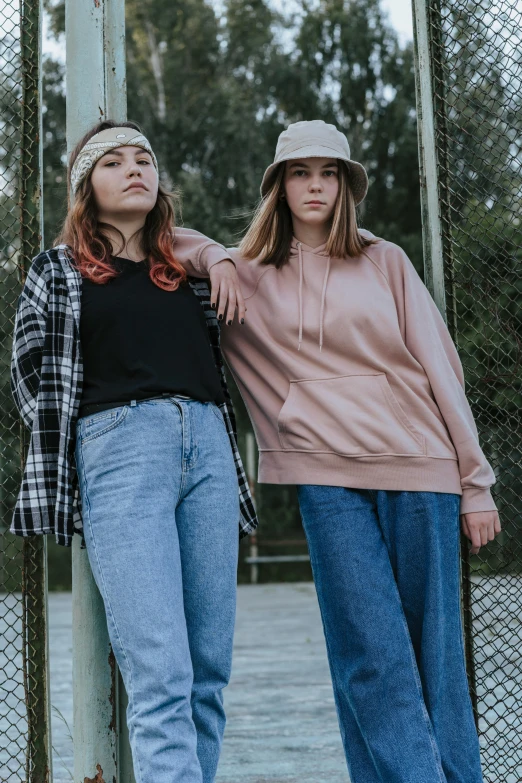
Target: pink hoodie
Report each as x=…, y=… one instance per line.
x=351, y=378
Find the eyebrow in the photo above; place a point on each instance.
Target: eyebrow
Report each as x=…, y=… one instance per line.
x=120, y=154
x=306, y=166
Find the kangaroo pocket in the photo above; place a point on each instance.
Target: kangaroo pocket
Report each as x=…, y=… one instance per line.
x=351, y=415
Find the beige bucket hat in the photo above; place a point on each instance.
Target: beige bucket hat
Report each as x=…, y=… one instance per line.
x=317, y=139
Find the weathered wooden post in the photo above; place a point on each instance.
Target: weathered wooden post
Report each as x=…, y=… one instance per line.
x=96, y=90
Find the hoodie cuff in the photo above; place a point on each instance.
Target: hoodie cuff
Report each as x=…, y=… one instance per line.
x=476, y=499
x=210, y=255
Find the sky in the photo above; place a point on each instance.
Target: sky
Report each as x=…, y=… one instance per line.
x=399, y=12
x=400, y=16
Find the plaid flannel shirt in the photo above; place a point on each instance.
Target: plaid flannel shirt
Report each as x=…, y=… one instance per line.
x=46, y=381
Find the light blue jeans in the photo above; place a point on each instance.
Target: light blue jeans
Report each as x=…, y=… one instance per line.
x=386, y=569
x=161, y=510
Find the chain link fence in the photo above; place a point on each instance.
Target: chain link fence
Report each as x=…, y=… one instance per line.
x=476, y=55
x=23, y=659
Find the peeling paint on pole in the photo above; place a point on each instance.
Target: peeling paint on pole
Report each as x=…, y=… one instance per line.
x=98, y=778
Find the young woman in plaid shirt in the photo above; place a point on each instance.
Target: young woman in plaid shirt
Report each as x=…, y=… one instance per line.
x=118, y=374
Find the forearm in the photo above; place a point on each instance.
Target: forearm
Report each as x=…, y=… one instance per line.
x=197, y=253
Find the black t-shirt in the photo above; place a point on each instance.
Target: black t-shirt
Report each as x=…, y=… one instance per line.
x=139, y=340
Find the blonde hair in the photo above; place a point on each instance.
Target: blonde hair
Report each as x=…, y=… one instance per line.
x=270, y=233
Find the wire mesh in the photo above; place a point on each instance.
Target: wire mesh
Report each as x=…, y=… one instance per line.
x=23, y=680
x=476, y=55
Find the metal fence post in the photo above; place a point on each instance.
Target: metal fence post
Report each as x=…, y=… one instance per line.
x=96, y=90
x=474, y=58
x=431, y=221
x=251, y=476
x=38, y=767
x=434, y=251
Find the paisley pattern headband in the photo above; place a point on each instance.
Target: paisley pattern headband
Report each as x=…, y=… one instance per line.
x=101, y=143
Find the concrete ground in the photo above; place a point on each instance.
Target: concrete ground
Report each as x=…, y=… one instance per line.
x=282, y=726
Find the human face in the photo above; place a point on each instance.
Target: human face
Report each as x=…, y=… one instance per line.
x=125, y=184
x=311, y=186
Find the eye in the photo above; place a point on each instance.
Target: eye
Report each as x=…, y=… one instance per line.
x=144, y=160
x=299, y=172
x=111, y=163
x=330, y=173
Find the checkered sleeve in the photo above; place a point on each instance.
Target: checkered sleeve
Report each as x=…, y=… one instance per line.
x=28, y=341
x=248, y=520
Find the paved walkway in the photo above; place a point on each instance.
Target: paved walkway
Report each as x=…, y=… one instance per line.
x=282, y=726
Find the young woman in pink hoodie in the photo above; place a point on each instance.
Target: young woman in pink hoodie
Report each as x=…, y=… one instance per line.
x=356, y=394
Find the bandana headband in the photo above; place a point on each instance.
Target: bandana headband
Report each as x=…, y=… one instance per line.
x=100, y=144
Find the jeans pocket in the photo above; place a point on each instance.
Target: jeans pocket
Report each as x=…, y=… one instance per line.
x=217, y=413
x=91, y=427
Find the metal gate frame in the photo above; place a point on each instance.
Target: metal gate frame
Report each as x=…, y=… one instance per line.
x=435, y=259
x=34, y=574
x=441, y=127
x=26, y=176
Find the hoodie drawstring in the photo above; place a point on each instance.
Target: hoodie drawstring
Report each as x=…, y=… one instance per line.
x=300, y=295
x=323, y=299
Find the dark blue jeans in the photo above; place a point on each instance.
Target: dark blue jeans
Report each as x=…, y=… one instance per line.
x=386, y=569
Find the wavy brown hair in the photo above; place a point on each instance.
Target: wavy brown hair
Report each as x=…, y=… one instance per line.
x=90, y=246
x=270, y=233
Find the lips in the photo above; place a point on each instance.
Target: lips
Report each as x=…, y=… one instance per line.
x=136, y=186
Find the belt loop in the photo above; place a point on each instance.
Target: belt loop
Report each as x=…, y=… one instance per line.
x=133, y=403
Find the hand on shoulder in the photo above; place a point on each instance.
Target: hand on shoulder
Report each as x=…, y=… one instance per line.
x=226, y=295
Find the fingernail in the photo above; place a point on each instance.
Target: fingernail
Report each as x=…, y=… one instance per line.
x=229, y=323
x=220, y=317
x=242, y=320
x=213, y=306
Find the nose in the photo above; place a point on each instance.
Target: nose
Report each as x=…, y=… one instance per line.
x=134, y=170
x=316, y=186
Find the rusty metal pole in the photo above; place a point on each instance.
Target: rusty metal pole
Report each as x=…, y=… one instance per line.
x=96, y=90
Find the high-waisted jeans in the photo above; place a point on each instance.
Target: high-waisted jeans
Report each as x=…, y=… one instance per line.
x=161, y=509
x=386, y=569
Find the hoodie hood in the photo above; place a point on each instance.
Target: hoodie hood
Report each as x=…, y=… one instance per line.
x=296, y=246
